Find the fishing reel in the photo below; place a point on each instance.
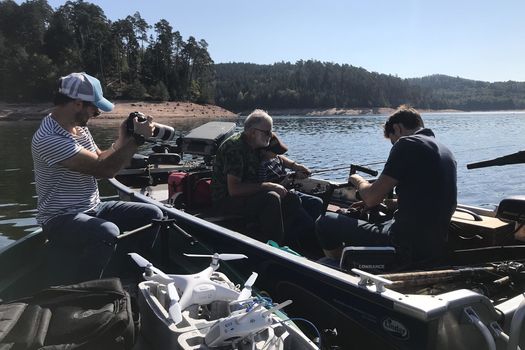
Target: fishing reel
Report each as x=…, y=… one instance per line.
x=510, y=267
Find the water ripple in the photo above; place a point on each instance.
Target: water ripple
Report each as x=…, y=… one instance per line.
x=6, y=205
x=19, y=222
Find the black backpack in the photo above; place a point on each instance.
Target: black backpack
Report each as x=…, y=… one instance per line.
x=89, y=315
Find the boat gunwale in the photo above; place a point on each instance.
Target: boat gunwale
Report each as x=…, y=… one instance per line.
x=432, y=307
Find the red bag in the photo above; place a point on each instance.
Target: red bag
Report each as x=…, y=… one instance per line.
x=177, y=187
x=201, y=196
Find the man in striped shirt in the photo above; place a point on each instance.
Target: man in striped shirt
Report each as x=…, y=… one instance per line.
x=67, y=164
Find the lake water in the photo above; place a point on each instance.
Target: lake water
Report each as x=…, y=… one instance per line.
x=318, y=142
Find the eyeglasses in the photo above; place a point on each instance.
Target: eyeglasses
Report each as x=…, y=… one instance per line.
x=265, y=132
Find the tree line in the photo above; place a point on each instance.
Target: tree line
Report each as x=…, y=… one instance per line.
x=38, y=45
x=314, y=84
x=135, y=60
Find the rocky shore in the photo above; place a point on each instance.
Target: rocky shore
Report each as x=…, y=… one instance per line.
x=349, y=111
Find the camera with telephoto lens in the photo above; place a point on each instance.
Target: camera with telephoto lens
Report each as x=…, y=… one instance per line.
x=161, y=132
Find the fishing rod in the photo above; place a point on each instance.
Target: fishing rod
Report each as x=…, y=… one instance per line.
x=292, y=176
x=357, y=167
x=417, y=279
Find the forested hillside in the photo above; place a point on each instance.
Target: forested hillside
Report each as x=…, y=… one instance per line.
x=138, y=61
x=308, y=84
x=464, y=94
x=38, y=45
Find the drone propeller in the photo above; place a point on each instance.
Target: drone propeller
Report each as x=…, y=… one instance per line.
x=223, y=257
x=139, y=260
x=145, y=264
x=174, y=309
x=246, y=292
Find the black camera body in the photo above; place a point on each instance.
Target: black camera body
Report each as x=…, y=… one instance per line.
x=161, y=132
x=129, y=123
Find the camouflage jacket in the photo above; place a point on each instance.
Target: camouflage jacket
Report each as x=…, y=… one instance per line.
x=237, y=158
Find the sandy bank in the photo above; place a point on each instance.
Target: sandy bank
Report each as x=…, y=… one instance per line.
x=160, y=110
x=186, y=110
x=348, y=111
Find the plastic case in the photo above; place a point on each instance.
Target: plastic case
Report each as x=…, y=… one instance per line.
x=206, y=139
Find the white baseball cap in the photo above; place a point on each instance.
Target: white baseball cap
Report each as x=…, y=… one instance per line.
x=83, y=86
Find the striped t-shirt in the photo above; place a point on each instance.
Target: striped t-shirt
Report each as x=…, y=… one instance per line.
x=271, y=170
x=60, y=190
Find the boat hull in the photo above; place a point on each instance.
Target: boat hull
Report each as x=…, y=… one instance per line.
x=362, y=315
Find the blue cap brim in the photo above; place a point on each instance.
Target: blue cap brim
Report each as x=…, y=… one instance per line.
x=99, y=100
x=104, y=105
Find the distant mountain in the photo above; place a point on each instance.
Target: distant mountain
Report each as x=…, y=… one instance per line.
x=458, y=93
x=314, y=84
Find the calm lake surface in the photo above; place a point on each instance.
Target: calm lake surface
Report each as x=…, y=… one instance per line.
x=318, y=142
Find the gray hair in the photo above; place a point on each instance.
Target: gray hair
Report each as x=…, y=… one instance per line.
x=255, y=118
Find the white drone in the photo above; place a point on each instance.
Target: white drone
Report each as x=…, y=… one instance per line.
x=198, y=288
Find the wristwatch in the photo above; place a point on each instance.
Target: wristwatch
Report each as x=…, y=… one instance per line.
x=139, y=139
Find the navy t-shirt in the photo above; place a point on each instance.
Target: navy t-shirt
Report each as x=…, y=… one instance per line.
x=427, y=194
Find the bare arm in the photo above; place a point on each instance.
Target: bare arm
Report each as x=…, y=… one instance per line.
x=237, y=188
x=373, y=193
x=105, y=164
x=293, y=165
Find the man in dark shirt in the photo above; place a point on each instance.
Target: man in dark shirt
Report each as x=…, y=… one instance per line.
x=423, y=171
x=235, y=186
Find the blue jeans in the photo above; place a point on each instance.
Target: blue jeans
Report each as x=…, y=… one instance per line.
x=335, y=230
x=300, y=224
x=83, y=244
x=311, y=204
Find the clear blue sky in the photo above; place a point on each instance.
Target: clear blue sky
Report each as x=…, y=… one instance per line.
x=474, y=39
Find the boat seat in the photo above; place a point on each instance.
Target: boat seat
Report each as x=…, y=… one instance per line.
x=512, y=209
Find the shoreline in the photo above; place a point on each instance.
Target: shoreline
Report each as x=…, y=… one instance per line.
x=174, y=110
x=159, y=111
x=319, y=112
